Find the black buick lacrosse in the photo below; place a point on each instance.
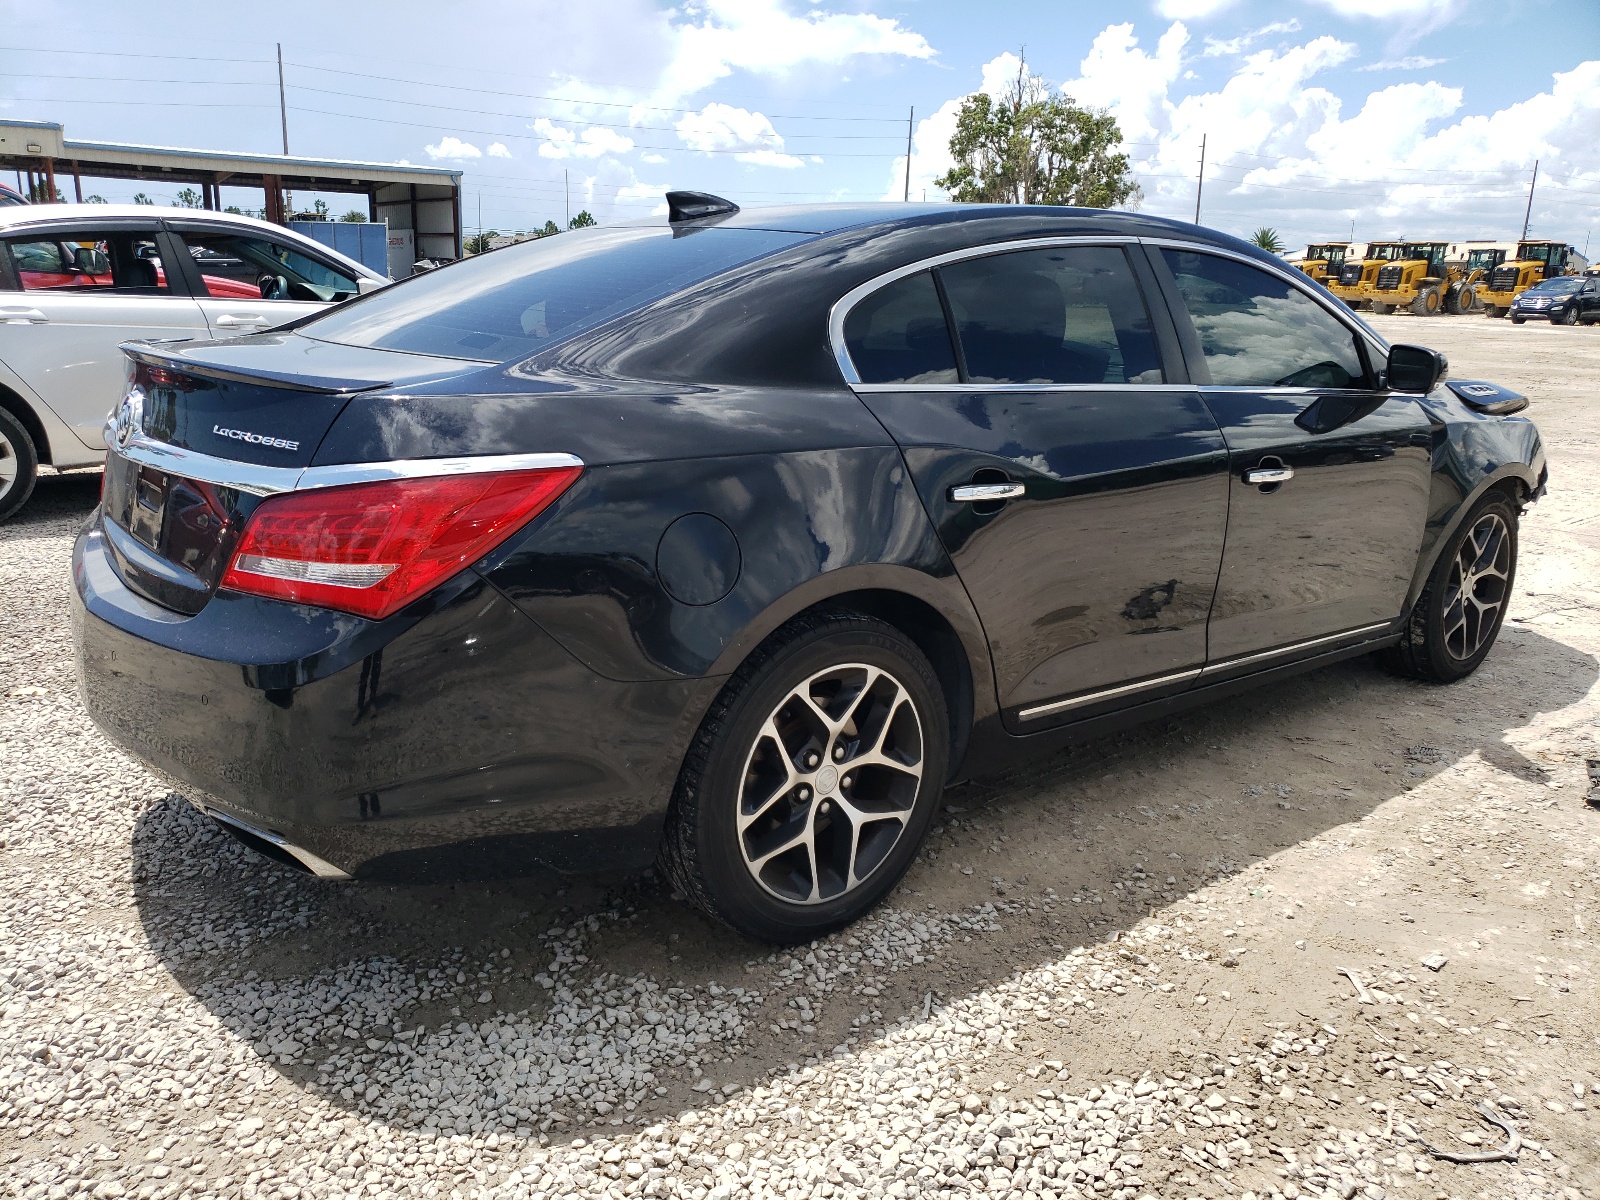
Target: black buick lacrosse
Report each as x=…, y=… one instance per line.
x=729, y=540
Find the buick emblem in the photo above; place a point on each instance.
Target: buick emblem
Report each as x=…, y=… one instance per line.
x=125, y=423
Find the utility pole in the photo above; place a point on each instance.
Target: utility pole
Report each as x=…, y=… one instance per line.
x=566, y=186
x=1528, y=216
x=1201, y=183
x=283, y=107
x=480, y=223
x=911, y=120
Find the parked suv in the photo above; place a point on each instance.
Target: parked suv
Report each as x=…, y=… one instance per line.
x=76, y=281
x=1566, y=300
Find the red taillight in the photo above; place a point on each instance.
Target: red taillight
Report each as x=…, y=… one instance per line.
x=372, y=548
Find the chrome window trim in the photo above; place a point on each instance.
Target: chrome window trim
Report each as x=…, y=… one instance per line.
x=842, y=306
x=272, y=481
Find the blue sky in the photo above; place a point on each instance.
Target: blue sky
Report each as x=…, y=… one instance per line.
x=1404, y=117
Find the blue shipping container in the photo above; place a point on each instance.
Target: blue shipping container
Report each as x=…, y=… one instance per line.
x=365, y=241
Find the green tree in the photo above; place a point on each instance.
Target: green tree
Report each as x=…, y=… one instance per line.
x=141, y=198
x=40, y=193
x=235, y=210
x=1035, y=146
x=1267, y=238
x=478, y=243
x=549, y=228
x=319, y=210
x=94, y=199
x=188, y=198
x=355, y=217
x=582, y=221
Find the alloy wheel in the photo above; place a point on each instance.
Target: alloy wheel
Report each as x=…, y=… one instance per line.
x=830, y=783
x=10, y=466
x=1480, y=581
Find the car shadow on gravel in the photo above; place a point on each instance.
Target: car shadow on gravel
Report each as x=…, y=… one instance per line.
x=1123, y=826
x=70, y=494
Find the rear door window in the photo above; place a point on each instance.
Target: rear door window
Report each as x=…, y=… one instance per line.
x=1062, y=314
x=1257, y=330
x=898, y=334
x=88, y=261
x=238, y=266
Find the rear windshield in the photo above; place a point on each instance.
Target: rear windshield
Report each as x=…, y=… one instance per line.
x=511, y=303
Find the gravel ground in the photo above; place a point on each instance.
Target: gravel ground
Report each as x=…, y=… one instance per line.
x=1120, y=974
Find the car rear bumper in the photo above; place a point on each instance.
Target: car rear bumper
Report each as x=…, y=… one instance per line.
x=454, y=740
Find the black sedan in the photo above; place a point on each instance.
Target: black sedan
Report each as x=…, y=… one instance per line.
x=729, y=540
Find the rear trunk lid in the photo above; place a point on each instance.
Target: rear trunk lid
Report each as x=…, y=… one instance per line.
x=207, y=431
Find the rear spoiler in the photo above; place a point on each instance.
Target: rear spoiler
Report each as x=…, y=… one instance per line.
x=152, y=354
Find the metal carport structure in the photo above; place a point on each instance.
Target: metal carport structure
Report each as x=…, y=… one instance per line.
x=425, y=200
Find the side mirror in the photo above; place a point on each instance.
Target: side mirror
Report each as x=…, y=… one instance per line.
x=365, y=285
x=91, y=261
x=1415, y=369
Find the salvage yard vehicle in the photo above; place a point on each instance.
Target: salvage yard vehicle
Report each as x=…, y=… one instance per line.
x=1359, y=270
x=1566, y=300
x=1323, y=261
x=1534, y=262
x=1464, y=296
x=727, y=540
x=1416, y=279
x=76, y=281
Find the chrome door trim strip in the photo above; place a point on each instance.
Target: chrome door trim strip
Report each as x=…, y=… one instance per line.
x=272, y=481
x=1025, y=387
x=842, y=306
x=1055, y=706
x=1229, y=663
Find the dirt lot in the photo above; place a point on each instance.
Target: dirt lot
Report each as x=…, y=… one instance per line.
x=1120, y=974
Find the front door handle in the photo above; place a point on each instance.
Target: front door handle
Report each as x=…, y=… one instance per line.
x=237, y=320
x=16, y=314
x=1268, y=475
x=987, y=493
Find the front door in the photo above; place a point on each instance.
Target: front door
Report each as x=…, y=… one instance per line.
x=1079, y=487
x=84, y=291
x=248, y=281
x=1329, y=476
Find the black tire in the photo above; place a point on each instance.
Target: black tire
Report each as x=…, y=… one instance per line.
x=1570, y=317
x=1427, y=302
x=1453, y=303
x=709, y=858
x=1518, y=320
x=19, y=465
x=1445, y=640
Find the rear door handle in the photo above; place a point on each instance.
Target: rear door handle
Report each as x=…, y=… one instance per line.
x=16, y=314
x=979, y=493
x=1261, y=475
x=237, y=320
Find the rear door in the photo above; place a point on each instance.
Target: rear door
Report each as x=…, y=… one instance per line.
x=248, y=281
x=82, y=289
x=1329, y=474
x=1077, y=481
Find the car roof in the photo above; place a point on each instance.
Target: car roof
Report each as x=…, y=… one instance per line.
x=33, y=215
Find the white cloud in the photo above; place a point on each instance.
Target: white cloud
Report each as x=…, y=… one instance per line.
x=1216, y=47
x=724, y=127
x=654, y=160
x=763, y=37
x=1411, y=62
x=1284, y=150
x=453, y=147
x=594, y=142
x=498, y=150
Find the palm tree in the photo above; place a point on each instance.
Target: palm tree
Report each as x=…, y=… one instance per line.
x=1267, y=238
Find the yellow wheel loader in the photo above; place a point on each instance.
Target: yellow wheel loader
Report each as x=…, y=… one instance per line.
x=1360, y=269
x=1324, y=260
x=1416, y=279
x=1534, y=263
